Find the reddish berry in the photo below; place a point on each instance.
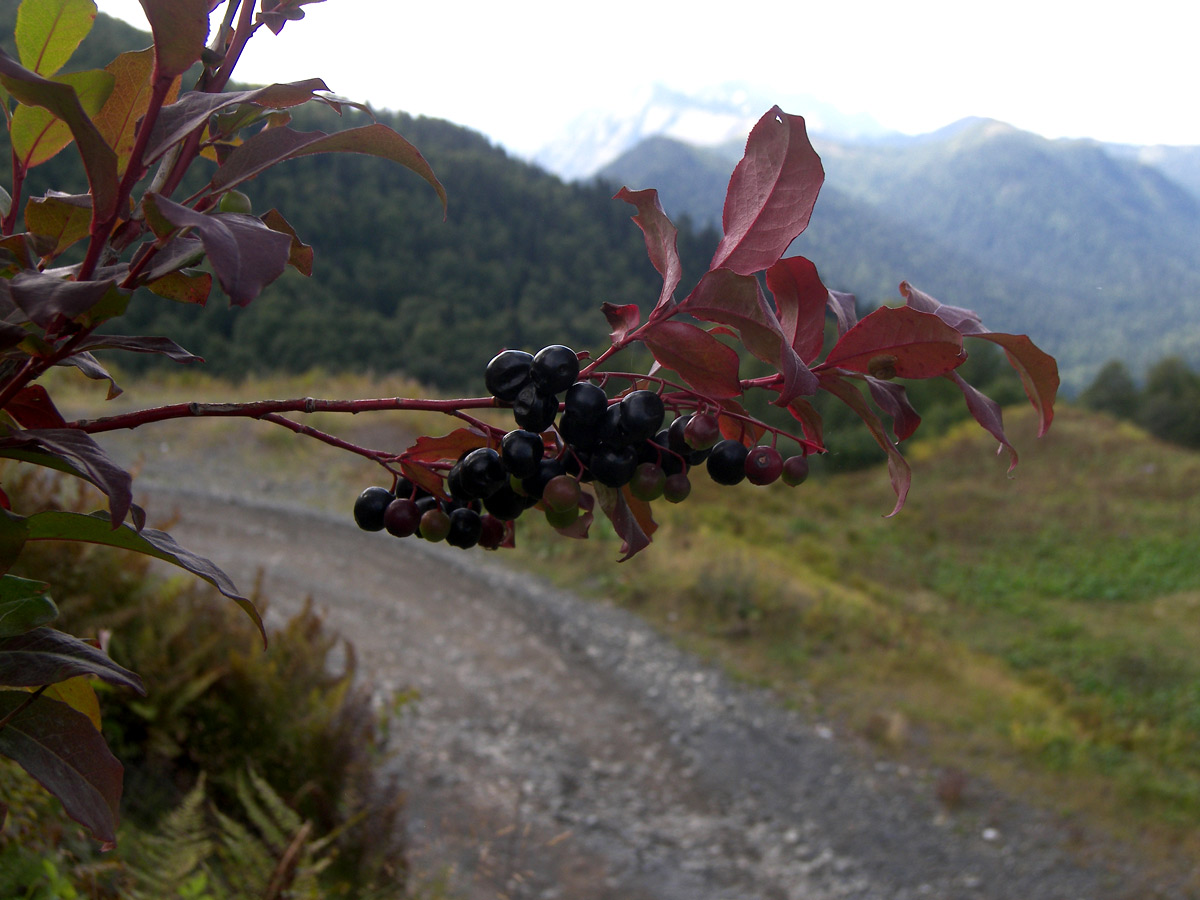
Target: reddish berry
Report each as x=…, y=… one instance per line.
x=763, y=465
x=795, y=470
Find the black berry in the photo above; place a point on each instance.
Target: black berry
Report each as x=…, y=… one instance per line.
x=613, y=466
x=586, y=401
x=555, y=368
x=370, y=506
x=641, y=415
x=521, y=451
x=533, y=409
x=507, y=373
x=465, y=528
x=483, y=472
x=727, y=462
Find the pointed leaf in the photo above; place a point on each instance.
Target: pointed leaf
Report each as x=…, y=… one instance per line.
x=893, y=400
x=724, y=297
x=661, y=239
x=183, y=287
x=800, y=299
x=24, y=605
x=987, y=413
x=1038, y=371
x=78, y=694
x=844, y=309
x=622, y=320
x=84, y=455
x=194, y=109
x=300, y=255
x=180, y=29
x=56, y=525
x=65, y=218
x=274, y=145
x=962, y=320
x=49, y=31
x=898, y=342
x=90, y=366
x=60, y=100
x=633, y=536
x=810, y=420
x=45, y=656
x=163, y=346
x=59, y=747
x=706, y=364
x=129, y=100
x=898, y=468
x=33, y=408
x=245, y=253
x=38, y=134
x=771, y=194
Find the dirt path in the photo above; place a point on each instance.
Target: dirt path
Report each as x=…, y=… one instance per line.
x=562, y=749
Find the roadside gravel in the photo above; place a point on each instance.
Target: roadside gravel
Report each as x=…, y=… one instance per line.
x=561, y=748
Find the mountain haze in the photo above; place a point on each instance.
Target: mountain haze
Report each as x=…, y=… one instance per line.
x=1092, y=251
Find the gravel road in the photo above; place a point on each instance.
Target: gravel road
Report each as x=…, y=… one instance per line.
x=562, y=749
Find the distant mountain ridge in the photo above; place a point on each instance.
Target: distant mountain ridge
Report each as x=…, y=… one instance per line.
x=1092, y=249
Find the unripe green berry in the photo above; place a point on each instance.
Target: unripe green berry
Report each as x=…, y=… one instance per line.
x=435, y=525
x=649, y=481
x=234, y=202
x=562, y=518
x=561, y=493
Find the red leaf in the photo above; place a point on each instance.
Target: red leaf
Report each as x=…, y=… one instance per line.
x=771, y=194
x=962, y=320
x=61, y=748
x=843, y=308
x=898, y=342
x=898, y=469
x=892, y=398
x=245, y=253
x=800, y=299
x=447, y=448
x=706, y=364
x=1038, y=371
x=624, y=520
x=661, y=236
x=180, y=29
x=83, y=457
x=300, y=256
x=622, y=320
x=266, y=148
x=33, y=408
x=987, y=413
x=737, y=424
x=810, y=420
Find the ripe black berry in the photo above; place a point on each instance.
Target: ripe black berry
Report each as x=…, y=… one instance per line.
x=727, y=462
x=580, y=433
x=641, y=415
x=613, y=466
x=555, y=368
x=521, y=451
x=586, y=401
x=482, y=473
x=534, y=410
x=506, y=503
x=507, y=373
x=370, y=506
x=465, y=528
x=763, y=465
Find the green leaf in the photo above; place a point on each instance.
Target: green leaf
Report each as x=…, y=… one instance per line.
x=99, y=160
x=128, y=101
x=13, y=533
x=66, y=218
x=96, y=528
x=180, y=29
x=48, y=31
x=46, y=656
x=59, y=747
x=265, y=149
x=38, y=134
x=24, y=605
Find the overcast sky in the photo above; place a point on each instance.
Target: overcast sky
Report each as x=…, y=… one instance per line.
x=519, y=71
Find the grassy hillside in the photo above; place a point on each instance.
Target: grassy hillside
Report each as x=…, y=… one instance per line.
x=1038, y=630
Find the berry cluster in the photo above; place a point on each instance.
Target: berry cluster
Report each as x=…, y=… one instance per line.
x=616, y=443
